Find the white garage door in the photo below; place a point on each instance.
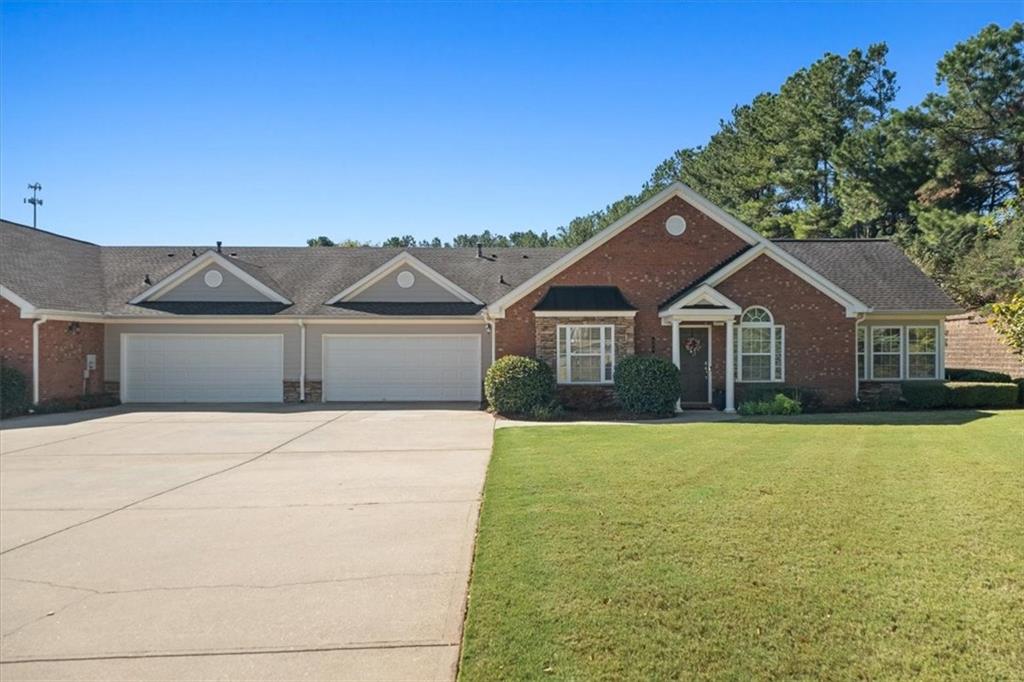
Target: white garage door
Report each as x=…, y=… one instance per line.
x=401, y=367
x=193, y=368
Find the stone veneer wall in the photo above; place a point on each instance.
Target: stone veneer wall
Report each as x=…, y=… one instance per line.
x=583, y=396
x=314, y=391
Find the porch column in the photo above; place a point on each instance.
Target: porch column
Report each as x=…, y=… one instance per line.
x=675, y=354
x=730, y=371
x=675, y=342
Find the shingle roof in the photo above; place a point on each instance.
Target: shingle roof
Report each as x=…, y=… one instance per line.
x=876, y=271
x=310, y=276
x=50, y=271
x=584, y=298
x=55, y=272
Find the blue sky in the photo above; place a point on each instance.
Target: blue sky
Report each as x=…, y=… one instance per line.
x=268, y=123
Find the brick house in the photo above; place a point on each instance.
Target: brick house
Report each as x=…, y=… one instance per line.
x=677, y=277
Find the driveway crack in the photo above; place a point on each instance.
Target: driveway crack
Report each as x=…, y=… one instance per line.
x=173, y=488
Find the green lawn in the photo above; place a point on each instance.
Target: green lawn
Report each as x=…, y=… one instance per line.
x=860, y=546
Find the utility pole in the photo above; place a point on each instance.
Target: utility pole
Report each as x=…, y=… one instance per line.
x=34, y=200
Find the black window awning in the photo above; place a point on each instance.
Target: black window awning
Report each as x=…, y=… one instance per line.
x=596, y=298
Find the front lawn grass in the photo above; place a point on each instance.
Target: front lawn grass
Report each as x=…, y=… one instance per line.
x=862, y=546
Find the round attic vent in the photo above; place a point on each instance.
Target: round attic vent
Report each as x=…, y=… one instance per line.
x=406, y=279
x=213, y=279
x=675, y=225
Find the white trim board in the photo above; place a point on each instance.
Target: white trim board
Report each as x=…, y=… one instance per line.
x=852, y=304
x=584, y=313
x=705, y=293
x=23, y=305
x=762, y=245
x=676, y=189
x=404, y=259
x=179, y=276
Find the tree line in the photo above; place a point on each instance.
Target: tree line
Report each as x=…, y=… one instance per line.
x=828, y=155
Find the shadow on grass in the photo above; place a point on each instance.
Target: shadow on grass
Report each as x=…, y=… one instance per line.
x=894, y=418
x=76, y=416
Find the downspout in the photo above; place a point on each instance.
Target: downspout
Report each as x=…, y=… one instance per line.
x=35, y=359
x=856, y=357
x=302, y=361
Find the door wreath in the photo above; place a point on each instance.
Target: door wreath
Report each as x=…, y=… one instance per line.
x=692, y=345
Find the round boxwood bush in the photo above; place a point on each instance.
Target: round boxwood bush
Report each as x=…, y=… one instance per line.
x=518, y=385
x=13, y=391
x=647, y=385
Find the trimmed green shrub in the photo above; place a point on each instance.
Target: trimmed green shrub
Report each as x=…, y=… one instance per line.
x=977, y=375
x=547, y=413
x=646, y=384
x=13, y=392
x=977, y=394
x=1020, y=392
x=779, y=404
x=517, y=385
x=925, y=395
x=810, y=400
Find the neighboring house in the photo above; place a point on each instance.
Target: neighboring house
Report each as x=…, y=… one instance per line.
x=676, y=277
x=972, y=343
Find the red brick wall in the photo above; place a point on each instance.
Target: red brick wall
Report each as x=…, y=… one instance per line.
x=62, y=353
x=649, y=265
x=15, y=338
x=645, y=262
x=820, y=339
x=971, y=343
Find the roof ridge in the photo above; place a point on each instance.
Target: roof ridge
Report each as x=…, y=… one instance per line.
x=52, y=234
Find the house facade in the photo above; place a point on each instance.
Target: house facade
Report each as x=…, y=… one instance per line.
x=677, y=278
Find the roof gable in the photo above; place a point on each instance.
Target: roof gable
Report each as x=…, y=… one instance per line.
x=404, y=279
x=703, y=297
x=675, y=190
x=187, y=283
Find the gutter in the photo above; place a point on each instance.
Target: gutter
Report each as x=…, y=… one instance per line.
x=302, y=361
x=35, y=359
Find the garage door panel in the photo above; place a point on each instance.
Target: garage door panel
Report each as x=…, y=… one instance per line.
x=402, y=367
x=203, y=368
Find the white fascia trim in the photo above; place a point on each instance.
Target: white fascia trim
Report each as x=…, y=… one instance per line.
x=23, y=305
x=584, y=313
x=408, y=260
x=177, y=277
x=704, y=292
x=219, y=320
x=676, y=189
x=700, y=316
x=912, y=314
x=67, y=315
x=852, y=304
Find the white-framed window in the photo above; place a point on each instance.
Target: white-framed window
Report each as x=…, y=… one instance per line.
x=586, y=353
x=886, y=352
x=922, y=352
x=862, y=352
x=760, y=349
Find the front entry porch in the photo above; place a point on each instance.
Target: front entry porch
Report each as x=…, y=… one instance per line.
x=703, y=325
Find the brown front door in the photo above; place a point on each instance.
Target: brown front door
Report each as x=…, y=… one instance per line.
x=693, y=364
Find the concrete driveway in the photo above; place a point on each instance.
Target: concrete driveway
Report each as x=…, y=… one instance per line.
x=238, y=543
